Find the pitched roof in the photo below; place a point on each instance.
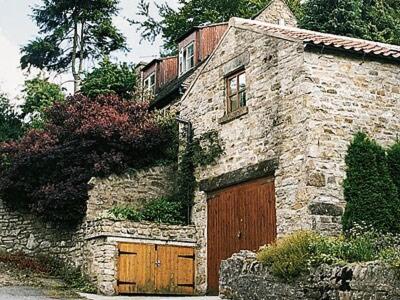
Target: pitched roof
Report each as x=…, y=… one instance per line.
x=318, y=38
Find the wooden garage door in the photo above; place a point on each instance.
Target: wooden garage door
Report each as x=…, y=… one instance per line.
x=242, y=217
x=155, y=269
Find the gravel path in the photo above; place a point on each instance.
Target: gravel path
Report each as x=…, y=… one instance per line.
x=22, y=293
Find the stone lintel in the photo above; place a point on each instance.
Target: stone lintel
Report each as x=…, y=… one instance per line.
x=259, y=170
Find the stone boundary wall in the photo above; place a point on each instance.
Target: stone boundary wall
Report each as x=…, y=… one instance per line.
x=25, y=233
x=243, y=277
x=132, y=188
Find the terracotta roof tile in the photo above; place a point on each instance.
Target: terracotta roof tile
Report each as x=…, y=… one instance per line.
x=319, y=38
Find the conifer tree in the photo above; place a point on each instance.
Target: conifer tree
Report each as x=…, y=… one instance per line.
x=72, y=31
x=369, y=191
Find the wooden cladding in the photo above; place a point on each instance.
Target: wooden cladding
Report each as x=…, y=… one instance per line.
x=209, y=39
x=242, y=217
x=155, y=269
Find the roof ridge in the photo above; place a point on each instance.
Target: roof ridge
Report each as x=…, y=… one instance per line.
x=301, y=30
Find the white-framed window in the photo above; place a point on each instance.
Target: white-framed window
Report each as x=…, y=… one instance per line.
x=186, y=58
x=150, y=83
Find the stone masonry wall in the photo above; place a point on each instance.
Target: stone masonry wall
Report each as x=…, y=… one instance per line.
x=277, y=10
x=347, y=94
x=244, y=278
x=25, y=233
x=133, y=188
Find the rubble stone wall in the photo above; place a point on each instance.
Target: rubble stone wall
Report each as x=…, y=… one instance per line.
x=244, y=278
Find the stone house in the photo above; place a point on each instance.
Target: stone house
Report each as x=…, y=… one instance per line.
x=286, y=102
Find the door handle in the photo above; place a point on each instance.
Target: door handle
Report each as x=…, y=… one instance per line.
x=158, y=263
x=239, y=234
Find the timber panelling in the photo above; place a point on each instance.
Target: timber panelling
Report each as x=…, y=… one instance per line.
x=155, y=269
x=242, y=217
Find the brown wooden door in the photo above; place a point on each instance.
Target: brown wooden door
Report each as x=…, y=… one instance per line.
x=155, y=269
x=242, y=217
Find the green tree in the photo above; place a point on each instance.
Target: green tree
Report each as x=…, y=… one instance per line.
x=174, y=23
x=393, y=155
x=110, y=78
x=72, y=31
x=377, y=20
x=11, y=127
x=369, y=191
x=39, y=95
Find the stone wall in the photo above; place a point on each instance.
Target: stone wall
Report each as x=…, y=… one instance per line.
x=243, y=277
x=132, y=188
x=25, y=233
x=276, y=11
x=347, y=94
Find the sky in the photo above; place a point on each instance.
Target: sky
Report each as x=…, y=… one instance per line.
x=17, y=28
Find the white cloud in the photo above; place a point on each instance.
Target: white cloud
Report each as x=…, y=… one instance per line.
x=11, y=76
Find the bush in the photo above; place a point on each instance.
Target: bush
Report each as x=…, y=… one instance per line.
x=369, y=190
x=288, y=257
x=73, y=277
x=296, y=253
x=160, y=210
x=47, y=171
x=393, y=156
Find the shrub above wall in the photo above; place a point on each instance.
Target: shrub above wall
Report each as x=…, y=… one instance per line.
x=47, y=171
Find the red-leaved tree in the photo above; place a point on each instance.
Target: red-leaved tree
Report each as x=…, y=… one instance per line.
x=47, y=171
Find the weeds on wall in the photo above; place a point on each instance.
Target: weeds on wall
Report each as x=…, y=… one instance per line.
x=72, y=276
x=298, y=253
x=176, y=208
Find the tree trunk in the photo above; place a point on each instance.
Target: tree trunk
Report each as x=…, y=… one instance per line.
x=75, y=74
x=81, y=53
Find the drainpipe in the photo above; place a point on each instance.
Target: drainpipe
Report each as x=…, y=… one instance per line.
x=188, y=125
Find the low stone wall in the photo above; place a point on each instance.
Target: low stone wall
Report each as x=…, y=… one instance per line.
x=243, y=277
x=25, y=233
x=132, y=188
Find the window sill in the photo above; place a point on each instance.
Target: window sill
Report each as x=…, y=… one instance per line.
x=234, y=115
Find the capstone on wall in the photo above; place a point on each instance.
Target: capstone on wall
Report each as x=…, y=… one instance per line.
x=244, y=278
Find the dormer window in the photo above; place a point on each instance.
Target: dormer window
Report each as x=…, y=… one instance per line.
x=186, y=58
x=150, y=83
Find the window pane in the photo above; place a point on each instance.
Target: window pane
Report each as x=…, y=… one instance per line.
x=233, y=86
x=234, y=103
x=242, y=98
x=153, y=79
x=190, y=50
x=242, y=82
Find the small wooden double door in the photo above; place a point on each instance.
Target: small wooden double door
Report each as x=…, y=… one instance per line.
x=155, y=269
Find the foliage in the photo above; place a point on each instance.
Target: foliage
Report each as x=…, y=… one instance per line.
x=174, y=23
x=47, y=171
x=206, y=149
x=70, y=33
x=297, y=253
x=201, y=151
x=159, y=210
x=110, y=78
x=370, y=194
x=393, y=157
x=39, y=95
x=377, y=20
x=288, y=257
x=72, y=276
x=11, y=126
